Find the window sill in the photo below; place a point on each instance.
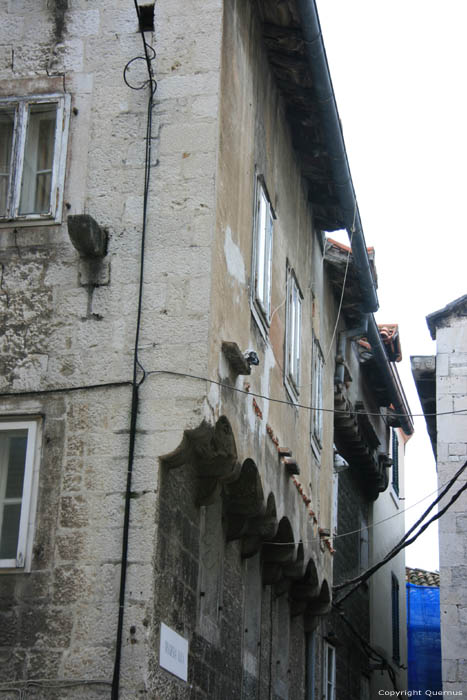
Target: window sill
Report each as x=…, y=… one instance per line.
x=31, y=222
x=13, y=570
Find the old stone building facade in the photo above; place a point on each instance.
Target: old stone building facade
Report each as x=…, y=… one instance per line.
x=442, y=386
x=170, y=326
x=368, y=626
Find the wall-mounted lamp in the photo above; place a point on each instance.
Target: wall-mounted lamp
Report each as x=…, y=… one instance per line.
x=146, y=17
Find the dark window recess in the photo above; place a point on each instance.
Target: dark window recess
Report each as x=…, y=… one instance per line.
x=395, y=462
x=395, y=618
x=146, y=17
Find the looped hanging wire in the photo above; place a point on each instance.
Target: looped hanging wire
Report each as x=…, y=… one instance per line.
x=148, y=61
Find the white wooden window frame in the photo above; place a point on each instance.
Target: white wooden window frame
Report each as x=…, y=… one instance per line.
x=329, y=674
x=21, y=105
x=317, y=371
x=26, y=525
x=262, y=256
x=293, y=335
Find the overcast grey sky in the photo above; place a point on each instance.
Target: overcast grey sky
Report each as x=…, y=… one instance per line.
x=398, y=70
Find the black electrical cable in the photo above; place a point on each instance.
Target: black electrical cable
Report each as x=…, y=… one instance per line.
x=223, y=385
x=147, y=373
x=367, y=648
x=441, y=495
x=404, y=542
x=137, y=366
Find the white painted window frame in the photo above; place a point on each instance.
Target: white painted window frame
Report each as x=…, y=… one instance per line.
x=263, y=225
x=21, y=106
x=29, y=494
x=317, y=372
x=293, y=334
x=329, y=680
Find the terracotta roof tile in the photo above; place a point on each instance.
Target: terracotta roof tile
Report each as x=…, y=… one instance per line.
x=421, y=577
x=342, y=246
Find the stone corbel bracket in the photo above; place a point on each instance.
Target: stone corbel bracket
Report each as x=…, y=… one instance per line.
x=212, y=453
x=249, y=517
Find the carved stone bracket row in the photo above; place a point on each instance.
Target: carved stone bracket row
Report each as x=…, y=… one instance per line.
x=357, y=442
x=250, y=517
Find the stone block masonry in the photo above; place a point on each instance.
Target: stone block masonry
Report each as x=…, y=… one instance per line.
x=55, y=334
x=451, y=387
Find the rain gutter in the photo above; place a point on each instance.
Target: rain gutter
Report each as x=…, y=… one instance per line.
x=330, y=123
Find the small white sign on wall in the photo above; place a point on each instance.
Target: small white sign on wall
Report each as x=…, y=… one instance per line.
x=173, y=654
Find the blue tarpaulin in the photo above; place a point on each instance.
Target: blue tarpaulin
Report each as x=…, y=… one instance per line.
x=424, y=638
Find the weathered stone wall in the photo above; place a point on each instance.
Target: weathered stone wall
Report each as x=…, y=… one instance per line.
x=451, y=395
x=217, y=114
x=59, y=620
x=249, y=619
x=57, y=334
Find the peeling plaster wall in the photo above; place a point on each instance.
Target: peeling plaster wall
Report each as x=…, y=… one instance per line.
x=255, y=140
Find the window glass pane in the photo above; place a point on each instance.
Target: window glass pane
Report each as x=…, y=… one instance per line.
x=317, y=394
x=7, y=121
x=12, y=465
x=261, y=250
x=38, y=160
x=293, y=324
x=16, y=462
x=10, y=530
x=330, y=672
x=268, y=261
x=297, y=338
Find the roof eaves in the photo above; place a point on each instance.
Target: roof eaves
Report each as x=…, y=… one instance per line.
x=438, y=319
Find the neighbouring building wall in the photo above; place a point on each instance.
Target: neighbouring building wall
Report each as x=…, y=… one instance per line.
x=451, y=395
x=387, y=585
